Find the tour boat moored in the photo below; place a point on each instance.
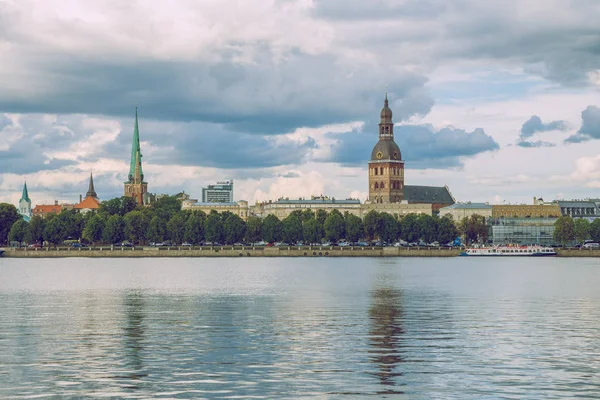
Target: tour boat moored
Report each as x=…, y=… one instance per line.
x=508, y=250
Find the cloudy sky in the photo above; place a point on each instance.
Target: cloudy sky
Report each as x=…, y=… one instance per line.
x=499, y=100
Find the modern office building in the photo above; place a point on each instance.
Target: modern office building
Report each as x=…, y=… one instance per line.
x=522, y=230
x=221, y=192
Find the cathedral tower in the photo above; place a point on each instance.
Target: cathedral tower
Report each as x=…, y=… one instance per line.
x=386, y=168
x=25, y=204
x=135, y=186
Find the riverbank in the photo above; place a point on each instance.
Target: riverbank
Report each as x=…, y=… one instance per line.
x=234, y=251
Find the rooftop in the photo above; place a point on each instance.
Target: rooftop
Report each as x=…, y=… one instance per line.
x=463, y=206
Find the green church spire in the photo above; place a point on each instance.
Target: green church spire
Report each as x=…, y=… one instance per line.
x=25, y=195
x=135, y=150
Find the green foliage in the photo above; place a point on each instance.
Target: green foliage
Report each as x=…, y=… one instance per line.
x=387, y=227
x=166, y=207
x=307, y=215
x=53, y=233
x=213, y=228
x=136, y=226
x=94, y=228
x=371, y=224
x=35, y=230
x=234, y=229
x=176, y=228
x=447, y=231
x=17, y=231
x=564, y=230
x=8, y=216
x=354, y=228
x=335, y=227
x=157, y=230
x=113, y=232
x=473, y=228
x=253, y=229
x=427, y=227
x=271, y=229
x=118, y=206
x=581, y=229
x=321, y=216
x=311, y=230
x=194, y=228
x=292, y=228
x=595, y=230
x=408, y=228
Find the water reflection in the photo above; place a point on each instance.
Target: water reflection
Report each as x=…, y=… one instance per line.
x=133, y=336
x=385, y=336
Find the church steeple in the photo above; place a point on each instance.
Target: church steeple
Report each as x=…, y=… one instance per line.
x=135, y=152
x=91, y=192
x=25, y=195
x=386, y=126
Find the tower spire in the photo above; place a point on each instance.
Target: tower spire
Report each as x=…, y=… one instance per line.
x=135, y=149
x=25, y=195
x=91, y=192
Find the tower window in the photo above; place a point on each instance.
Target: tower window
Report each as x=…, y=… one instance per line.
x=376, y=185
x=380, y=170
x=375, y=170
x=382, y=185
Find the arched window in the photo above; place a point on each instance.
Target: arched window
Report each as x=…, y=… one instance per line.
x=382, y=185
x=376, y=185
x=380, y=170
x=375, y=170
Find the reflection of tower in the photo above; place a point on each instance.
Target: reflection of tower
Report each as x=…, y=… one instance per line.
x=386, y=168
x=385, y=334
x=135, y=186
x=134, y=334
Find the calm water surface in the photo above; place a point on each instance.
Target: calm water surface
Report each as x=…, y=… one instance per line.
x=291, y=328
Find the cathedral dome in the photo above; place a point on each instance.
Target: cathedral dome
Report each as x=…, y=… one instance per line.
x=386, y=150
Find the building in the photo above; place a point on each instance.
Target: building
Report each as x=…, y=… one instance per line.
x=43, y=210
x=221, y=192
x=526, y=211
x=458, y=211
x=437, y=196
x=579, y=209
x=25, y=204
x=91, y=202
x=522, y=230
x=386, y=168
x=135, y=186
x=240, y=208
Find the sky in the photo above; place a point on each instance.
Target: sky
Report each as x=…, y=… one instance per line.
x=498, y=99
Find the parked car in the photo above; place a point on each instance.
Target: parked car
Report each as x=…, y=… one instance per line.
x=78, y=245
x=35, y=246
x=591, y=245
x=126, y=244
x=362, y=244
x=186, y=244
x=343, y=244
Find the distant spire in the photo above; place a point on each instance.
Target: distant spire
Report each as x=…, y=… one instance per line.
x=135, y=149
x=25, y=195
x=91, y=192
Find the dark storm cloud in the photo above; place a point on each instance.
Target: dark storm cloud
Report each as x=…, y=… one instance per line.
x=590, y=126
x=421, y=146
x=535, y=124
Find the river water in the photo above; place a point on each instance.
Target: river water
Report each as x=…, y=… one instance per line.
x=427, y=328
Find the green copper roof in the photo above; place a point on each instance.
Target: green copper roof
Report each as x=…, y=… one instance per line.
x=25, y=195
x=135, y=148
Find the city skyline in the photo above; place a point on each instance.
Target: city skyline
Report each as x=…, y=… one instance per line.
x=291, y=109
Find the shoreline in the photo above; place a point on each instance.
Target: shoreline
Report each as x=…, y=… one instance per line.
x=232, y=251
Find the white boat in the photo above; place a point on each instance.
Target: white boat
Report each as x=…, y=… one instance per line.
x=510, y=251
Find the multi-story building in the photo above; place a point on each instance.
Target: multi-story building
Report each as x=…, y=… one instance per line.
x=221, y=192
x=526, y=211
x=240, y=208
x=458, y=211
x=25, y=204
x=135, y=186
x=43, y=210
x=579, y=208
x=522, y=230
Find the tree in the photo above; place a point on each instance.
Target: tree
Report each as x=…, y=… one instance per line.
x=113, y=232
x=307, y=215
x=388, y=227
x=136, y=226
x=447, y=231
x=8, y=216
x=426, y=225
x=335, y=227
x=354, y=228
x=213, y=228
x=371, y=224
x=71, y=224
x=311, y=230
x=194, y=228
x=564, y=230
x=234, y=229
x=17, y=231
x=595, y=230
x=409, y=231
x=581, y=229
x=157, y=230
x=166, y=207
x=253, y=229
x=35, y=230
x=94, y=228
x=118, y=206
x=271, y=229
x=321, y=216
x=292, y=228
x=176, y=228
x=473, y=228
x=54, y=233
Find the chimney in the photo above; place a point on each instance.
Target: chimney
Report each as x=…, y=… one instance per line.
x=535, y=201
x=80, y=198
x=55, y=202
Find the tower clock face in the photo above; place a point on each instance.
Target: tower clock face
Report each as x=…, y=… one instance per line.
x=379, y=155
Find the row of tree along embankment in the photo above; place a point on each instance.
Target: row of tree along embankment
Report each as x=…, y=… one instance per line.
x=232, y=251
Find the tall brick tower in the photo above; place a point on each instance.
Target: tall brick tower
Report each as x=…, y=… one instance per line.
x=135, y=186
x=386, y=168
